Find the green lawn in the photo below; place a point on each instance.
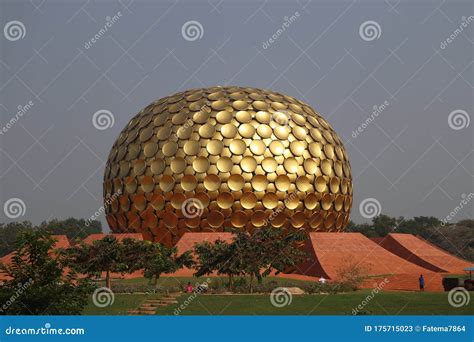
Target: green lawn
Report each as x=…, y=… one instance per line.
x=385, y=303
x=182, y=281
x=122, y=303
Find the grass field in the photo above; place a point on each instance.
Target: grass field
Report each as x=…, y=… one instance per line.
x=384, y=303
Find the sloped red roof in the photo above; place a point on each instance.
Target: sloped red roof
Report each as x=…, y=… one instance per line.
x=421, y=252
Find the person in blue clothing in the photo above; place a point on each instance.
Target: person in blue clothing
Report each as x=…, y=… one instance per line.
x=421, y=280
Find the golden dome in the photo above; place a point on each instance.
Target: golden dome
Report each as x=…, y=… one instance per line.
x=226, y=157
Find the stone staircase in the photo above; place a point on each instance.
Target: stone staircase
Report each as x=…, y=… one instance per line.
x=149, y=306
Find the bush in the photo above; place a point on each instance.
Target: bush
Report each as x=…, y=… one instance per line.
x=351, y=275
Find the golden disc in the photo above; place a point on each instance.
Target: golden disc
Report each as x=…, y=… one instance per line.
x=224, y=164
x=259, y=183
x=282, y=183
x=248, y=200
x=188, y=183
x=236, y=182
x=212, y=182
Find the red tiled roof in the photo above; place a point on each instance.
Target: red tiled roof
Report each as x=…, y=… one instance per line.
x=421, y=252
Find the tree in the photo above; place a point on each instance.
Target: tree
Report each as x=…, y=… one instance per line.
x=9, y=233
x=157, y=259
x=267, y=249
x=40, y=283
x=384, y=224
x=73, y=228
x=254, y=254
x=105, y=255
x=218, y=257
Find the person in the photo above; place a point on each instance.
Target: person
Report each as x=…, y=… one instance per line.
x=189, y=287
x=421, y=280
x=322, y=280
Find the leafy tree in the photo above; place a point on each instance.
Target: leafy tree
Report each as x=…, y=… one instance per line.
x=218, y=257
x=157, y=259
x=384, y=224
x=105, y=255
x=255, y=254
x=40, y=283
x=265, y=250
x=9, y=233
x=72, y=228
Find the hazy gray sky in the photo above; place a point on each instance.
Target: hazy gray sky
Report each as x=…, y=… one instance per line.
x=414, y=158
